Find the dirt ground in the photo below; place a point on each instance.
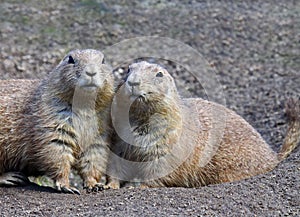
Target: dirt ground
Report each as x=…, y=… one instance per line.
x=254, y=48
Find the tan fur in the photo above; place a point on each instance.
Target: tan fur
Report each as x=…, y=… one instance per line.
x=293, y=134
x=48, y=127
x=163, y=123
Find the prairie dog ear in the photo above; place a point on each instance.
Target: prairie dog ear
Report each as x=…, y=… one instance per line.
x=172, y=89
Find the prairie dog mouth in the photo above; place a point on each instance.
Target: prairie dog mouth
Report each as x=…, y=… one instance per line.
x=91, y=85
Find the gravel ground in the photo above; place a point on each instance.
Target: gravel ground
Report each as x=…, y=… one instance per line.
x=254, y=47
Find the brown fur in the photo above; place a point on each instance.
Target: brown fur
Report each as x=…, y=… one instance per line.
x=162, y=122
x=48, y=127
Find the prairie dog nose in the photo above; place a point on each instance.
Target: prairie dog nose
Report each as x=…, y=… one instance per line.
x=134, y=83
x=91, y=70
x=91, y=73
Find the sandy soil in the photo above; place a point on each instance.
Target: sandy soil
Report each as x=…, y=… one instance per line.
x=254, y=48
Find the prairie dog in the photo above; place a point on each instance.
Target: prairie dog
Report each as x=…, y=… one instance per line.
x=177, y=142
x=61, y=122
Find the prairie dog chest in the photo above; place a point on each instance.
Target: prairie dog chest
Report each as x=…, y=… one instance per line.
x=85, y=118
x=85, y=123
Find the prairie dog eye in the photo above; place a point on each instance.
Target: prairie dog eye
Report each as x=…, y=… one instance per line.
x=159, y=74
x=71, y=60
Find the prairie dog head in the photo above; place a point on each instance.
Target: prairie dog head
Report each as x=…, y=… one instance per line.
x=84, y=69
x=146, y=81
